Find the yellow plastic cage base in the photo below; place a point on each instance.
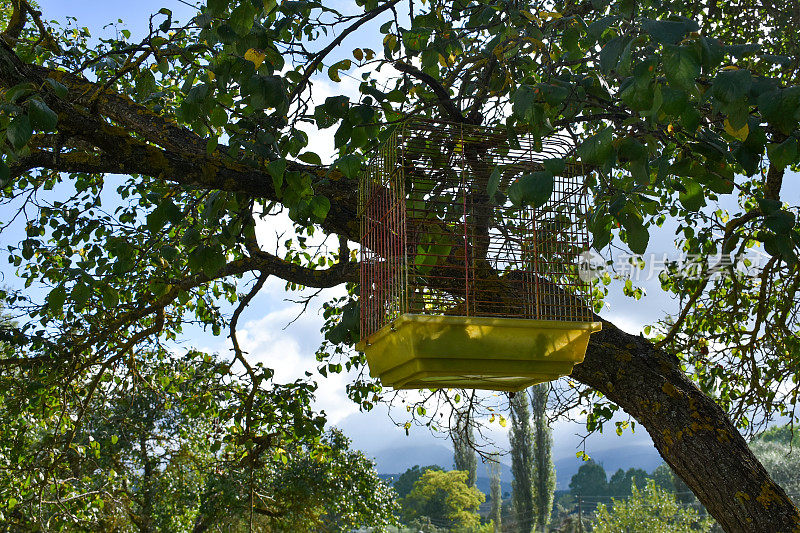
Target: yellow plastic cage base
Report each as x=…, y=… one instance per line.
x=506, y=354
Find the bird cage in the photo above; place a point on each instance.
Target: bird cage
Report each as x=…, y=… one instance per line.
x=470, y=266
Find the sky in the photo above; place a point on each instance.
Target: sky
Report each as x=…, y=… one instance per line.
x=265, y=331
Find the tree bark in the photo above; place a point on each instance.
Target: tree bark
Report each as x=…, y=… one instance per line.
x=691, y=432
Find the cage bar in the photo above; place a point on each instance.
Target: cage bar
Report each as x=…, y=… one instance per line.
x=442, y=236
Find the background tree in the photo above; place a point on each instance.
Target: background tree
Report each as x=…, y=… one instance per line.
x=544, y=470
x=521, y=442
x=203, y=121
x=464, y=456
x=649, y=510
x=495, y=491
x=405, y=482
x=446, y=499
x=622, y=481
x=589, y=482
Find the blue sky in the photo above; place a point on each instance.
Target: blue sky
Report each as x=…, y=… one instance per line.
x=291, y=349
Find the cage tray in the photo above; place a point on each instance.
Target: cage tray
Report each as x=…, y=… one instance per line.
x=507, y=354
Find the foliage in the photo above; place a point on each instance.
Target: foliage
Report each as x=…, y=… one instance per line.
x=544, y=470
x=783, y=434
x=445, y=498
x=781, y=458
x=521, y=440
x=405, y=482
x=650, y=510
x=623, y=481
x=464, y=456
x=158, y=435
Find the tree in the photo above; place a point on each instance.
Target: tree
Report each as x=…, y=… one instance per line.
x=464, y=456
x=161, y=452
x=650, y=509
x=204, y=123
x=495, y=492
x=445, y=498
x=405, y=482
x=589, y=481
x=544, y=470
x=622, y=481
x=521, y=441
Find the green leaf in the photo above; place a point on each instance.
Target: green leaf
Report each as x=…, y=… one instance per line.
x=349, y=165
x=692, y=197
x=265, y=91
x=596, y=29
x=166, y=211
x=597, y=149
x=276, y=169
x=553, y=94
x=334, y=108
x=630, y=149
x=110, y=297
x=681, y=66
x=80, y=295
x=145, y=83
x=310, y=157
x=637, y=235
x=555, y=166
x=742, y=50
x=783, y=154
x=320, y=207
x=58, y=88
x=56, y=298
x=12, y=502
x=532, y=189
x=611, y=52
x=242, y=18
x=333, y=70
x=5, y=174
x=523, y=100
x=780, y=221
x=494, y=181
x=666, y=31
x=19, y=131
x=731, y=85
x=215, y=7
x=780, y=107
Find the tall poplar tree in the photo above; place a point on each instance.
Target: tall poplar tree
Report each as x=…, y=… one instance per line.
x=463, y=449
x=522, y=464
x=544, y=479
x=495, y=491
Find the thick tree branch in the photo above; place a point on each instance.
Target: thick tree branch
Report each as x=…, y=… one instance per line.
x=691, y=432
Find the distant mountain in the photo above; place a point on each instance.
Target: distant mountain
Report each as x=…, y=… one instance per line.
x=394, y=451
x=639, y=456
x=398, y=459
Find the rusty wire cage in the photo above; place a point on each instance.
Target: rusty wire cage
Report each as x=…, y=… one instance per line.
x=462, y=284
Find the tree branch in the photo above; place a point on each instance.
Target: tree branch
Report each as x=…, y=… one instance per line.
x=443, y=96
x=319, y=56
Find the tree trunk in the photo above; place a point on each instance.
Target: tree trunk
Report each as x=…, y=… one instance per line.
x=691, y=432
